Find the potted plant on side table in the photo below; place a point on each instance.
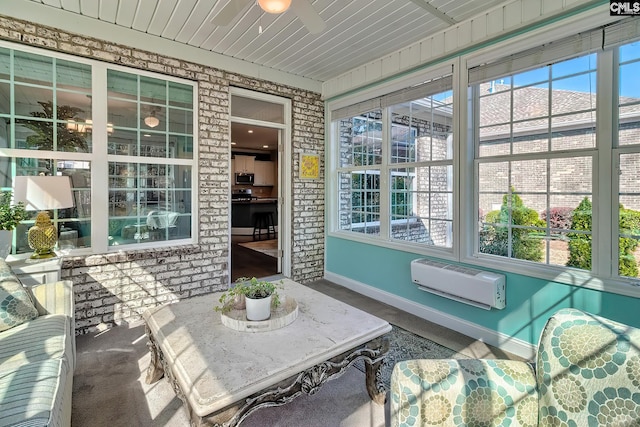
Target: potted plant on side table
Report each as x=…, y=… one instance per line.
x=258, y=297
x=10, y=216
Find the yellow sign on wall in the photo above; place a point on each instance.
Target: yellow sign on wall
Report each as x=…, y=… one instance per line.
x=309, y=166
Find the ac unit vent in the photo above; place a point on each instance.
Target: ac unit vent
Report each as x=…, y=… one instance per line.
x=479, y=288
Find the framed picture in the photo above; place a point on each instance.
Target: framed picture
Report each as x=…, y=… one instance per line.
x=309, y=166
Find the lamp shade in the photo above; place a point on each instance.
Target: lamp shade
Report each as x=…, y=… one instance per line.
x=43, y=192
x=274, y=6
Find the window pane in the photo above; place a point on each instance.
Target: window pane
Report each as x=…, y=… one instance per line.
x=360, y=202
x=361, y=140
x=629, y=215
x=421, y=130
x=33, y=69
x=629, y=95
x=251, y=108
x=73, y=224
x=149, y=201
x=551, y=108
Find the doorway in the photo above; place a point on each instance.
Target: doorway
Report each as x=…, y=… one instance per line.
x=258, y=146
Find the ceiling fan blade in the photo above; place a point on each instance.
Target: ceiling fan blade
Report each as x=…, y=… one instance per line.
x=228, y=12
x=308, y=15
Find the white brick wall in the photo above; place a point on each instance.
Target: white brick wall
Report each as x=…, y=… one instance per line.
x=116, y=288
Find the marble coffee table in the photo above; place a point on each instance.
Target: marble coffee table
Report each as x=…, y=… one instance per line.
x=222, y=375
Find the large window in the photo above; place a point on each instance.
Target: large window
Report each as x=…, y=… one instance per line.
x=548, y=149
x=627, y=156
x=395, y=172
x=150, y=134
x=138, y=150
x=535, y=140
x=547, y=167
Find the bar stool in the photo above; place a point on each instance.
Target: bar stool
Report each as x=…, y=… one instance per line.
x=262, y=221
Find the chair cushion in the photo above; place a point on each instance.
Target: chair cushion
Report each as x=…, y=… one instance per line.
x=16, y=306
x=465, y=392
x=46, y=337
x=588, y=371
x=32, y=395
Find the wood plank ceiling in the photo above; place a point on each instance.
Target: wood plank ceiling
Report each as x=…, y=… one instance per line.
x=357, y=31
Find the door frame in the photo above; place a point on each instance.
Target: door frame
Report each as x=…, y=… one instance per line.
x=284, y=170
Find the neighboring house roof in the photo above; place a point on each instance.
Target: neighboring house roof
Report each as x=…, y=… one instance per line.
x=530, y=108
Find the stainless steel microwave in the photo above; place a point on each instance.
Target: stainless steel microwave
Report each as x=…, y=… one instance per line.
x=244, y=178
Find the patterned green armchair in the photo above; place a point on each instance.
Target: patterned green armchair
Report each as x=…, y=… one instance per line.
x=587, y=374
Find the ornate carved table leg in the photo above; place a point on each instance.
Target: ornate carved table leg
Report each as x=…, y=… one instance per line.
x=375, y=388
x=155, y=370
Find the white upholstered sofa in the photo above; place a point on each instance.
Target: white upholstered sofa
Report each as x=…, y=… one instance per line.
x=37, y=352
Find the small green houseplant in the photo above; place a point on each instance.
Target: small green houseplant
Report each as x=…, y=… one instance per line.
x=10, y=215
x=249, y=289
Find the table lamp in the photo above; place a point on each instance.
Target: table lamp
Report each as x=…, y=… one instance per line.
x=43, y=193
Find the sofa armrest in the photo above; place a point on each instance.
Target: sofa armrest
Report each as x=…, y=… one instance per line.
x=463, y=392
x=54, y=298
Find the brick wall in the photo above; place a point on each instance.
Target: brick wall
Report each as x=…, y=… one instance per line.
x=116, y=288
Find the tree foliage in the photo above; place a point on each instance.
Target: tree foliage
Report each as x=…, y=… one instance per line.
x=43, y=138
x=494, y=238
x=580, y=244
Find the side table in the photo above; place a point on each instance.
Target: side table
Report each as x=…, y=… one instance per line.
x=33, y=272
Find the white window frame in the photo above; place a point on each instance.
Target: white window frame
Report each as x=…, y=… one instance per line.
x=99, y=158
x=605, y=213
x=333, y=166
x=603, y=276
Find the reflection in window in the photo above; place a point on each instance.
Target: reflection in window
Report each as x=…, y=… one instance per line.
x=44, y=111
x=73, y=224
x=534, y=167
x=150, y=188
x=410, y=141
x=147, y=149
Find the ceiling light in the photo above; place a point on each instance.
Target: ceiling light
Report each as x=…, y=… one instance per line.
x=250, y=131
x=265, y=146
x=274, y=6
x=151, y=120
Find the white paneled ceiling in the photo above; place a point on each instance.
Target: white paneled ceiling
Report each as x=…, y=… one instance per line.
x=357, y=31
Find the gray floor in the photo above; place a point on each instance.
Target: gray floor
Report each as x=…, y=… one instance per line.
x=109, y=387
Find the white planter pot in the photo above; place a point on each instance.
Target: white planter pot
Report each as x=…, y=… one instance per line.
x=5, y=243
x=258, y=309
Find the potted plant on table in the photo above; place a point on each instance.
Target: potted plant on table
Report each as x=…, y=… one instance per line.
x=10, y=216
x=258, y=297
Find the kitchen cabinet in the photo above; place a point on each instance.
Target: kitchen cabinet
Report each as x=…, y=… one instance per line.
x=264, y=174
x=244, y=164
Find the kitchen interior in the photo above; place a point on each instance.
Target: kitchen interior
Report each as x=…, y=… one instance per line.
x=254, y=201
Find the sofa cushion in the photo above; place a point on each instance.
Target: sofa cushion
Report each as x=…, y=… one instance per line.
x=16, y=306
x=32, y=395
x=46, y=337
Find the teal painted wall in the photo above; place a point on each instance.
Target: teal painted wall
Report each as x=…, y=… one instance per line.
x=530, y=301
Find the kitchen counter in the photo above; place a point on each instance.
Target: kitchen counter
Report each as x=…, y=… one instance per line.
x=256, y=201
x=243, y=214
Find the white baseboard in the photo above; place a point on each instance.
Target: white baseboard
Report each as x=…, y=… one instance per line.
x=489, y=336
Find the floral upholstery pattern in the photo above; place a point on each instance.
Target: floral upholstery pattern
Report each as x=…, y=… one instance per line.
x=588, y=374
x=16, y=306
x=588, y=371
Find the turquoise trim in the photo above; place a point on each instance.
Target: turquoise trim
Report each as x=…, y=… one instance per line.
x=502, y=37
x=530, y=301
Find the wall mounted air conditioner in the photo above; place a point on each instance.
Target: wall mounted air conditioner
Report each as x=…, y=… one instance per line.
x=474, y=287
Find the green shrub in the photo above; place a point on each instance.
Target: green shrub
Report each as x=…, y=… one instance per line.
x=629, y=224
x=580, y=244
x=494, y=238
